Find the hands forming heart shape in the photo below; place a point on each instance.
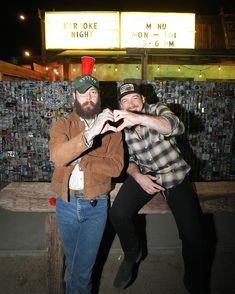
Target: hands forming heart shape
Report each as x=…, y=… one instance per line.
x=117, y=120
x=114, y=121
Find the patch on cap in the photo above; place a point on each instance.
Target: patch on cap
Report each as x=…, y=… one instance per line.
x=128, y=88
x=84, y=82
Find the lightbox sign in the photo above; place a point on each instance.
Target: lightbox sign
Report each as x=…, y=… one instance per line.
x=82, y=30
x=157, y=30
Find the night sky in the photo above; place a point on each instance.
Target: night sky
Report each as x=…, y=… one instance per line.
x=18, y=36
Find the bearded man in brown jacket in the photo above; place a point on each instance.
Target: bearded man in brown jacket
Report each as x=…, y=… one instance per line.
x=87, y=152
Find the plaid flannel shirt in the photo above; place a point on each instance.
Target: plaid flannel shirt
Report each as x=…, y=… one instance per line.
x=155, y=153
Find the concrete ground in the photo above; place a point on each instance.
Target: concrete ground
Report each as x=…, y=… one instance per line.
x=23, y=262
x=157, y=274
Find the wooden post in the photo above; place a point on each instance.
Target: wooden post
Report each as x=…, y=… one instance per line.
x=41, y=15
x=144, y=66
x=55, y=256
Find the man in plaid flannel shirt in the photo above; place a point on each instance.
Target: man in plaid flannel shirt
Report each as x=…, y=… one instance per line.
x=156, y=166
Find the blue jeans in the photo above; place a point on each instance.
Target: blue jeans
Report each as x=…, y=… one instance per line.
x=81, y=228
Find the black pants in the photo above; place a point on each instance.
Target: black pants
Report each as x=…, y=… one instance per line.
x=185, y=207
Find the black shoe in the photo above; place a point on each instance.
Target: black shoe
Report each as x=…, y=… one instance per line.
x=192, y=291
x=125, y=271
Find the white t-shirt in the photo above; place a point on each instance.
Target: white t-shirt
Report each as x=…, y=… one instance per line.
x=76, y=181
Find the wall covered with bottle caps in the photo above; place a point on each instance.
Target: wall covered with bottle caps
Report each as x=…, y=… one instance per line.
x=28, y=108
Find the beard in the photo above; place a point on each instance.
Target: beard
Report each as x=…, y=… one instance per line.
x=87, y=112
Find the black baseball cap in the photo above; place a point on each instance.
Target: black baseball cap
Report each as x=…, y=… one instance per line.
x=128, y=88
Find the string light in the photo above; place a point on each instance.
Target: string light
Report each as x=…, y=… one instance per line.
x=137, y=67
x=219, y=67
x=115, y=69
x=179, y=69
x=22, y=17
x=56, y=71
x=27, y=53
x=158, y=68
x=200, y=74
x=94, y=69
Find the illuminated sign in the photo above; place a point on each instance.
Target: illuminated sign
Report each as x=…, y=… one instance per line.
x=157, y=30
x=82, y=30
x=119, y=30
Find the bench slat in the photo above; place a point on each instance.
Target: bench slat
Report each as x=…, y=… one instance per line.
x=34, y=197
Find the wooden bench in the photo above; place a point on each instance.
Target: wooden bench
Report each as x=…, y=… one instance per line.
x=34, y=197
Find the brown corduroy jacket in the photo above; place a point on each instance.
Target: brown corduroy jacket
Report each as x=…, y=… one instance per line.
x=100, y=162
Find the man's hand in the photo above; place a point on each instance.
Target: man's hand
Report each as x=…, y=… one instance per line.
x=101, y=125
x=148, y=183
x=130, y=119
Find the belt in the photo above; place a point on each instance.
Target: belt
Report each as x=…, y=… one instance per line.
x=80, y=195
